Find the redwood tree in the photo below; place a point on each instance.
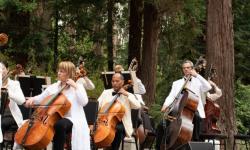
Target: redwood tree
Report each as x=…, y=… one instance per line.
x=220, y=53
x=151, y=30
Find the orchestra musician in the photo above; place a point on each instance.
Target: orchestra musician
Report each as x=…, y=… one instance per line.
x=18, y=71
x=82, y=78
x=196, y=84
x=11, y=116
x=74, y=121
x=141, y=87
x=128, y=100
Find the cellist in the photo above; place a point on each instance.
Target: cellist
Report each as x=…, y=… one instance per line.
x=11, y=115
x=128, y=100
x=74, y=121
x=196, y=84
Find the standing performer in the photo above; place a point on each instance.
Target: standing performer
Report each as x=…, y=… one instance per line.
x=74, y=121
x=196, y=84
x=126, y=100
x=11, y=95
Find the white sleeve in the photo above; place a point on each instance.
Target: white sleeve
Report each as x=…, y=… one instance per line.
x=86, y=82
x=1, y=71
x=141, y=87
x=81, y=95
x=170, y=97
x=205, y=85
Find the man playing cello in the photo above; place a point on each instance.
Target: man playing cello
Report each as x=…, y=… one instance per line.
x=127, y=100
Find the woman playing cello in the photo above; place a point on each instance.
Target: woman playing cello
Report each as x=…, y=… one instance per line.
x=74, y=120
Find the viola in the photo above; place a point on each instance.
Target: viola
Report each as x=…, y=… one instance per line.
x=38, y=132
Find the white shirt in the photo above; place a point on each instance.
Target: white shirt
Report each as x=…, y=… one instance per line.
x=86, y=82
x=129, y=102
x=80, y=132
x=16, y=97
x=198, y=85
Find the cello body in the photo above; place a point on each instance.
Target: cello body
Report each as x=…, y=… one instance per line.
x=181, y=127
x=106, y=124
x=212, y=111
x=38, y=132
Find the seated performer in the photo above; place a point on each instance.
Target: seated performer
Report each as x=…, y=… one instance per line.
x=128, y=100
x=11, y=116
x=196, y=84
x=141, y=87
x=82, y=78
x=74, y=121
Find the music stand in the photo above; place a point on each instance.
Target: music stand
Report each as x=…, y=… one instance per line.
x=31, y=85
x=107, y=78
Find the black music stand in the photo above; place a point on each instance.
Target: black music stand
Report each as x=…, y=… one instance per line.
x=107, y=78
x=31, y=86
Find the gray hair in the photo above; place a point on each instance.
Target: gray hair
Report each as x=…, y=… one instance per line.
x=188, y=61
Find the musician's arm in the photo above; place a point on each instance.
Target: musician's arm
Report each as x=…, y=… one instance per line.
x=205, y=86
x=134, y=103
x=170, y=97
x=82, y=97
x=37, y=99
x=87, y=83
x=101, y=99
x=16, y=94
x=217, y=94
x=141, y=87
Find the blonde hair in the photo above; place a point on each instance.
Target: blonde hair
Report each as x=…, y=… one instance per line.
x=118, y=68
x=69, y=67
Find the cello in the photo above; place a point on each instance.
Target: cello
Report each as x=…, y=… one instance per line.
x=212, y=110
x=37, y=132
x=108, y=117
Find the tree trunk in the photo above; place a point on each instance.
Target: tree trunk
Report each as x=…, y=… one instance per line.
x=110, y=24
x=135, y=28
x=149, y=53
x=220, y=53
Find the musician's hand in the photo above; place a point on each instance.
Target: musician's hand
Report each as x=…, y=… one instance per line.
x=123, y=92
x=29, y=103
x=164, y=108
x=193, y=72
x=71, y=83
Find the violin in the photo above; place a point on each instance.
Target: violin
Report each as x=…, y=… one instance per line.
x=81, y=72
x=3, y=39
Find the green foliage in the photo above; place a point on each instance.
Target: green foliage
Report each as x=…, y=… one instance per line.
x=241, y=10
x=242, y=97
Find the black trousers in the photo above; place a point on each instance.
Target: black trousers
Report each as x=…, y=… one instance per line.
x=197, y=127
x=119, y=135
x=161, y=131
x=62, y=128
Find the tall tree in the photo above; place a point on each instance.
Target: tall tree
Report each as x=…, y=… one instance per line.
x=110, y=24
x=220, y=53
x=151, y=31
x=135, y=30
